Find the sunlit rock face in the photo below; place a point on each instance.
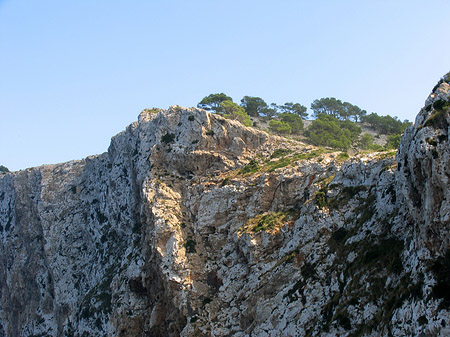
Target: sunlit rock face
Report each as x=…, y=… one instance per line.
x=193, y=225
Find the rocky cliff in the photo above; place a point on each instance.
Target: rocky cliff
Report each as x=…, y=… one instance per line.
x=193, y=225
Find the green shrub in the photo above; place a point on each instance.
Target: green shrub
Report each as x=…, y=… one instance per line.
x=352, y=128
x=343, y=156
x=386, y=124
x=286, y=160
x=233, y=111
x=279, y=127
x=329, y=131
x=213, y=102
x=189, y=245
x=168, y=138
x=276, y=164
x=280, y=153
x=153, y=110
x=387, y=154
x=366, y=141
x=440, y=104
x=393, y=141
x=279, y=158
x=321, y=199
x=439, y=118
x=293, y=120
x=253, y=106
x=251, y=167
x=267, y=222
x=225, y=182
x=308, y=155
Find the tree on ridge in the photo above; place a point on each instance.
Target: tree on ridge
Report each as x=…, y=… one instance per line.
x=213, y=102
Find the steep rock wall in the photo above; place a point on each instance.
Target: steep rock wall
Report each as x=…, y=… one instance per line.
x=194, y=225
x=424, y=172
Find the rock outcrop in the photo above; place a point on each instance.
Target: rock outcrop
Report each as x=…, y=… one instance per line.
x=193, y=225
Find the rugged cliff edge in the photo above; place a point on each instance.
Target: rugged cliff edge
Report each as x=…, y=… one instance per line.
x=194, y=225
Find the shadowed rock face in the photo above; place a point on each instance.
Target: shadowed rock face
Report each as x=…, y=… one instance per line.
x=194, y=225
x=424, y=172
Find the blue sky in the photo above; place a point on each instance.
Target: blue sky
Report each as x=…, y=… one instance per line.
x=75, y=73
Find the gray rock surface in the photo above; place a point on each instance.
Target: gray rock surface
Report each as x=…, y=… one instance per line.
x=193, y=225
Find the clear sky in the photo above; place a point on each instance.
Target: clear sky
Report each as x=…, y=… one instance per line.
x=75, y=73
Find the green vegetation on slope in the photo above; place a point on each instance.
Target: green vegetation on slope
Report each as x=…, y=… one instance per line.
x=280, y=158
x=335, y=124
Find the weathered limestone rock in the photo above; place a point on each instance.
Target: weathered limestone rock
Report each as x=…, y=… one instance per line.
x=193, y=225
x=424, y=173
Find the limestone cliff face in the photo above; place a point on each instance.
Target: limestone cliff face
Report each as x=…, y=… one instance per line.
x=192, y=225
x=424, y=173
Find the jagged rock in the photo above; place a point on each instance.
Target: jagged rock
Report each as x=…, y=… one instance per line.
x=194, y=225
x=424, y=172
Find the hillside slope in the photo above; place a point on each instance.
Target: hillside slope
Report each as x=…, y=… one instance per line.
x=194, y=225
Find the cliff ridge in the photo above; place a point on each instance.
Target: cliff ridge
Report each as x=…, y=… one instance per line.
x=194, y=225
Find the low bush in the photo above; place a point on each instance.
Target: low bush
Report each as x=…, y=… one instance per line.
x=343, y=156
x=266, y=222
x=294, y=121
x=250, y=168
x=280, y=153
x=280, y=127
x=189, y=245
x=321, y=199
x=329, y=131
x=168, y=138
x=439, y=118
